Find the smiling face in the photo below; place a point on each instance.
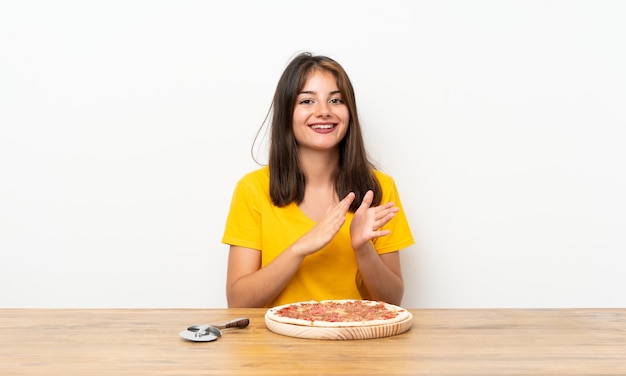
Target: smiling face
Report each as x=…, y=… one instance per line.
x=320, y=116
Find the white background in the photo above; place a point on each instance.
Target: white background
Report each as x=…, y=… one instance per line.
x=124, y=126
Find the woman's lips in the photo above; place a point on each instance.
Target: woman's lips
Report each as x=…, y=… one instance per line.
x=323, y=128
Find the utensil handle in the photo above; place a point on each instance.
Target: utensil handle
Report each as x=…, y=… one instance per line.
x=240, y=322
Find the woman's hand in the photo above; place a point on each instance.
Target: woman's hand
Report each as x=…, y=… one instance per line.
x=367, y=221
x=325, y=230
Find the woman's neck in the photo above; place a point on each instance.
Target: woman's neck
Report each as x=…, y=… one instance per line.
x=318, y=167
x=319, y=193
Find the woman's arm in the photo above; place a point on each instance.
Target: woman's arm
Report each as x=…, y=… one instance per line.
x=249, y=285
x=381, y=274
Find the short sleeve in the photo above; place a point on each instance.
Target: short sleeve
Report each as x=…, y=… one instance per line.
x=243, y=224
x=400, y=236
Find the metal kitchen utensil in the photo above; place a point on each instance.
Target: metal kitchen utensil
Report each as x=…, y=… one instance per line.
x=203, y=330
x=192, y=336
x=206, y=333
x=240, y=322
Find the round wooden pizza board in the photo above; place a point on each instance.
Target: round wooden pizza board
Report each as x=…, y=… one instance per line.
x=340, y=333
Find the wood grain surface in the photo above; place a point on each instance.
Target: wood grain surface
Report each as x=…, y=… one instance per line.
x=440, y=342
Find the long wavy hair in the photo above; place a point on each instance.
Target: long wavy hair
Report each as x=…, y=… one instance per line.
x=355, y=172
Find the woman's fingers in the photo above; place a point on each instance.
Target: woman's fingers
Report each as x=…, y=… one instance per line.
x=368, y=221
x=385, y=214
x=366, y=202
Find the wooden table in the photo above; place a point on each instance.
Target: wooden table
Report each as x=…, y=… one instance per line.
x=441, y=342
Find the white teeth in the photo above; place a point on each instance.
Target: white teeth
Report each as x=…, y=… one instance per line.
x=321, y=126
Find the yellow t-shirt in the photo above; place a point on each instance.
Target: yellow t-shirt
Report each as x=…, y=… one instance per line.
x=331, y=273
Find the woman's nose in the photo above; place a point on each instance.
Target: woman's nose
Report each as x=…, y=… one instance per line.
x=323, y=109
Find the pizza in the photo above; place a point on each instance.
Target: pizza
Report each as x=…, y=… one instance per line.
x=338, y=313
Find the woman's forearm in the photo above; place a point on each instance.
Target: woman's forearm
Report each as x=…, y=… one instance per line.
x=259, y=288
x=381, y=274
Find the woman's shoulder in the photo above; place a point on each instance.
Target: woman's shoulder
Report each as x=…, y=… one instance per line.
x=262, y=173
x=256, y=178
x=383, y=178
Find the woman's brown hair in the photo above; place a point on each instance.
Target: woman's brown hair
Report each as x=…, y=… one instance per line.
x=355, y=171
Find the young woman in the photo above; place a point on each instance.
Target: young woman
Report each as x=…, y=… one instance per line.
x=319, y=222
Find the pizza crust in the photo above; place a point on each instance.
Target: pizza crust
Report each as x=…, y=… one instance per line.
x=336, y=306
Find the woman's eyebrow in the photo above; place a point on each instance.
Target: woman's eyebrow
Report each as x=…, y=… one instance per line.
x=314, y=92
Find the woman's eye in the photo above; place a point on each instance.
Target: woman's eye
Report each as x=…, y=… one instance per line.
x=306, y=101
x=336, y=101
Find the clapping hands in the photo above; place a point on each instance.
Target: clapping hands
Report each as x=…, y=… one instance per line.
x=368, y=221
